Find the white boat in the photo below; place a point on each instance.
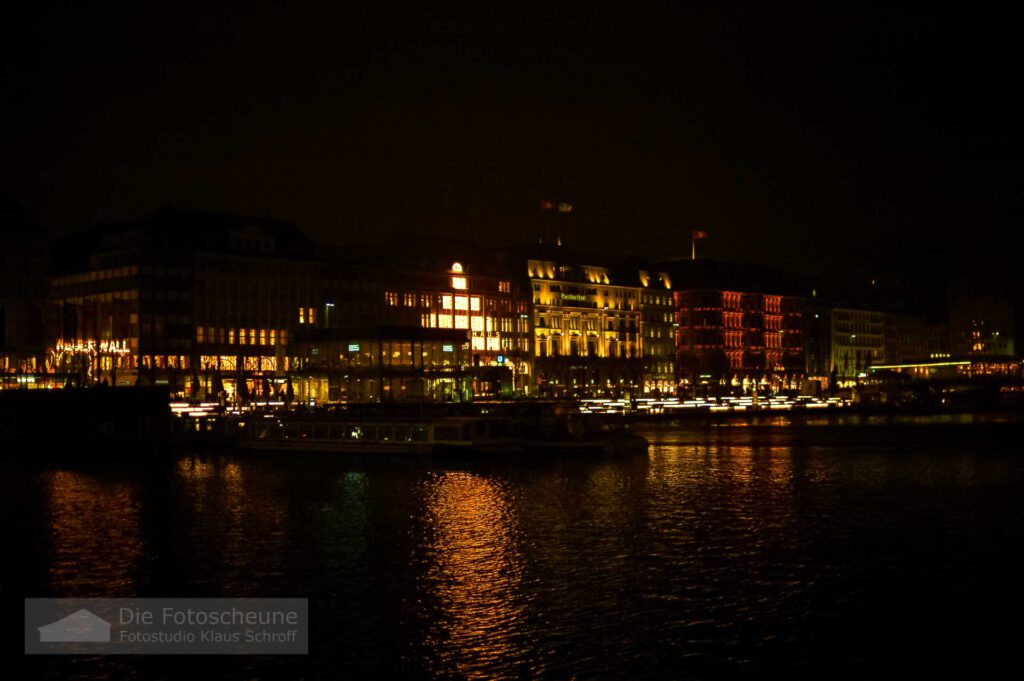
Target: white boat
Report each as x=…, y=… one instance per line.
x=381, y=435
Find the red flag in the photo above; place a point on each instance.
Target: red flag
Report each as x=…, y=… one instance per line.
x=699, y=234
x=547, y=205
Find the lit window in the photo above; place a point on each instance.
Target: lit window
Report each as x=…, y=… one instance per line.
x=474, y=303
x=231, y=336
x=273, y=336
x=311, y=316
x=459, y=283
x=263, y=336
x=302, y=315
x=444, y=321
x=477, y=323
x=241, y=336
x=461, y=303
x=199, y=334
x=478, y=343
x=446, y=302
x=461, y=322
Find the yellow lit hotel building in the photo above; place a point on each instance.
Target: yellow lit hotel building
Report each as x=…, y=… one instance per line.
x=586, y=329
x=579, y=312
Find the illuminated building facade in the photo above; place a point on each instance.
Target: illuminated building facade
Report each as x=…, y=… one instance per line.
x=858, y=341
x=586, y=327
x=199, y=302
x=381, y=363
x=657, y=334
x=735, y=324
x=736, y=335
x=489, y=310
x=245, y=310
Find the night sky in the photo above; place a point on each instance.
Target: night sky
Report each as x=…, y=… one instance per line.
x=815, y=139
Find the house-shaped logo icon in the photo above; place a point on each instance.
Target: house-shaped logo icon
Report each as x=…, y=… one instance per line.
x=80, y=626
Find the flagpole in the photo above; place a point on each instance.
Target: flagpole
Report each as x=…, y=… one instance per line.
x=693, y=248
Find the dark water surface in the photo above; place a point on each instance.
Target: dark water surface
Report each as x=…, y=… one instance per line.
x=856, y=550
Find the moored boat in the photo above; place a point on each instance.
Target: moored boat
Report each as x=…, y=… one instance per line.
x=468, y=435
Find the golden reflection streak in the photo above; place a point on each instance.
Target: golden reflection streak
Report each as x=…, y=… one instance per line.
x=475, y=569
x=96, y=536
x=717, y=460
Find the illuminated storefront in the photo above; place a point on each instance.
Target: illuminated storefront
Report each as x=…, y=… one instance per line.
x=490, y=310
x=386, y=363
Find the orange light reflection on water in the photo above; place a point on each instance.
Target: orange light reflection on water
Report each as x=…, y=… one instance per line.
x=474, y=569
x=94, y=526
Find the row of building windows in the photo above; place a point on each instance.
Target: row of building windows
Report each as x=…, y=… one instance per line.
x=229, y=363
x=209, y=334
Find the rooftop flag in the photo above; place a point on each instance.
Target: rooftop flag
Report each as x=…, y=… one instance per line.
x=697, y=234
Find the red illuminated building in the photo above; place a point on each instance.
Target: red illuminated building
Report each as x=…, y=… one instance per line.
x=729, y=331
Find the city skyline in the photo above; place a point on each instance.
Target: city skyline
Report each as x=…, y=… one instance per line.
x=213, y=303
